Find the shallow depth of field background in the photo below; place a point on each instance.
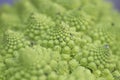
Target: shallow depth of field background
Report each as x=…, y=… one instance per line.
x=115, y=2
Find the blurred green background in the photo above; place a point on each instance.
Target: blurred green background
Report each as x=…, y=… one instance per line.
x=115, y=2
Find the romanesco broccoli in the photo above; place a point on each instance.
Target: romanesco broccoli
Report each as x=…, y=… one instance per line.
x=59, y=40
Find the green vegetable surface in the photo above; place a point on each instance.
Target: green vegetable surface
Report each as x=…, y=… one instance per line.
x=59, y=40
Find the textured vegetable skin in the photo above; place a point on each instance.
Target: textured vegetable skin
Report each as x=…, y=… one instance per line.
x=59, y=40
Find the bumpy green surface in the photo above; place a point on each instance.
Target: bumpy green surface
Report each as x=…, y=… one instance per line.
x=59, y=40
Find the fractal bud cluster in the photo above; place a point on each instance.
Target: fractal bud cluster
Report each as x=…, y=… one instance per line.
x=59, y=40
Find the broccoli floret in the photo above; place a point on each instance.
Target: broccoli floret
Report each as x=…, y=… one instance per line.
x=11, y=42
x=37, y=24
